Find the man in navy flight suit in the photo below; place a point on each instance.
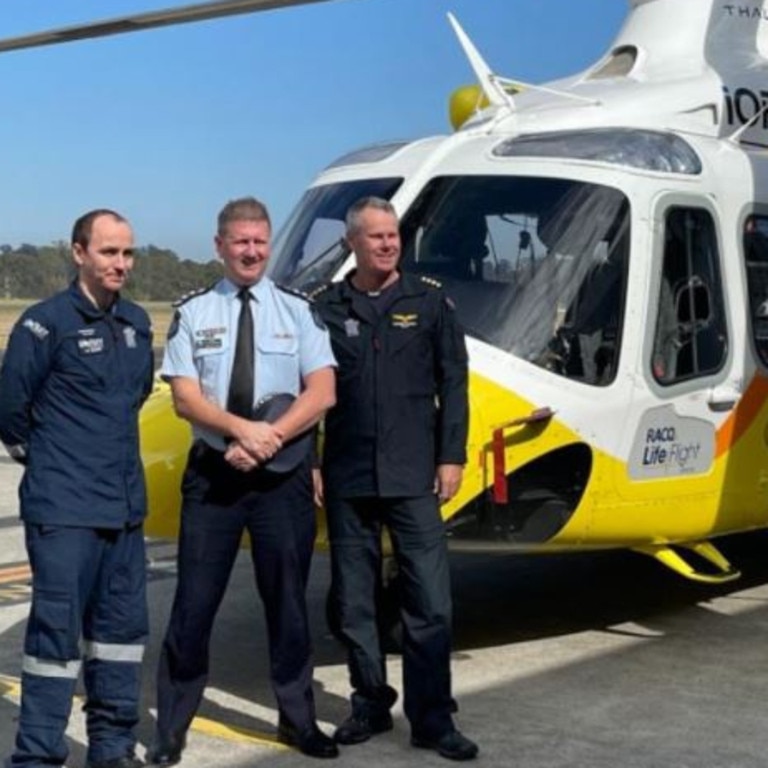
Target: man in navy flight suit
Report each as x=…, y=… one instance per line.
x=244, y=326
x=76, y=371
x=395, y=446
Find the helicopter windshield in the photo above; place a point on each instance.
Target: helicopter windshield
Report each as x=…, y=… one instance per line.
x=310, y=247
x=535, y=266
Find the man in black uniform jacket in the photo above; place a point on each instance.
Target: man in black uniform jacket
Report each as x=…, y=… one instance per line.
x=395, y=446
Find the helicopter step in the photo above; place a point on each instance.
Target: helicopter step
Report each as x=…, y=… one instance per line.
x=705, y=550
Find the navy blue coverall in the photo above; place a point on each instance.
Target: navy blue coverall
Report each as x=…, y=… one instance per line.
x=401, y=411
x=72, y=382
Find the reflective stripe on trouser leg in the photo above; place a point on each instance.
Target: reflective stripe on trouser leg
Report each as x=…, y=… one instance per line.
x=51, y=663
x=47, y=688
x=115, y=627
x=113, y=687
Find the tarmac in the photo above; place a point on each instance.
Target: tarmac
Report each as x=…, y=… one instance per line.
x=580, y=661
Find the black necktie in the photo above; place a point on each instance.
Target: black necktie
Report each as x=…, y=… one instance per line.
x=240, y=399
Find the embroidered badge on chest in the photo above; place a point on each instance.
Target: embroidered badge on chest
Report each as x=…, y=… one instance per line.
x=352, y=327
x=130, y=337
x=405, y=321
x=90, y=346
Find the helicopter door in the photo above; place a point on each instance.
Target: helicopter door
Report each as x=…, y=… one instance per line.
x=677, y=436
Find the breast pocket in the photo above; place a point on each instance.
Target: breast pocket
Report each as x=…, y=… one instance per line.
x=412, y=350
x=82, y=361
x=277, y=367
x=210, y=359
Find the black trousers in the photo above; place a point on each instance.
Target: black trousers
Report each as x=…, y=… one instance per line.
x=219, y=504
x=418, y=538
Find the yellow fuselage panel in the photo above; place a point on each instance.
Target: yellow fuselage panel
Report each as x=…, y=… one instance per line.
x=615, y=510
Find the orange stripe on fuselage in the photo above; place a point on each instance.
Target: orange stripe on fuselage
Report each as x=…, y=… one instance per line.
x=744, y=414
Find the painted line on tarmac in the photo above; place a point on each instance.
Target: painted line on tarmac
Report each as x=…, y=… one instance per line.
x=15, y=584
x=234, y=733
x=10, y=688
x=13, y=573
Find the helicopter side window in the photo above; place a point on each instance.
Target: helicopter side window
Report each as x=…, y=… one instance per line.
x=756, y=258
x=691, y=336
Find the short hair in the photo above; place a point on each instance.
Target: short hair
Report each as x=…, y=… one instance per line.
x=83, y=227
x=354, y=211
x=242, y=209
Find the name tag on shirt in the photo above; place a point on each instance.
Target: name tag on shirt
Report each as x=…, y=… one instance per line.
x=210, y=338
x=90, y=346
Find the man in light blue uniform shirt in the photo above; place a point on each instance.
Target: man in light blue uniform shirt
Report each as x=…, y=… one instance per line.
x=228, y=347
x=203, y=347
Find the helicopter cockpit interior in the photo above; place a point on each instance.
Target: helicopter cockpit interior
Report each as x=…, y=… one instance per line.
x=535, y=266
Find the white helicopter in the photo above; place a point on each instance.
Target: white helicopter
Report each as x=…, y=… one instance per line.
x=605, y=240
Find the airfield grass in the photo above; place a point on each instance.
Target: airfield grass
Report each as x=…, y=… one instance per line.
x=161, y=313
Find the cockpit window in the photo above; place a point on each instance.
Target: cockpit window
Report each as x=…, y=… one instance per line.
x=310, y=247
x=535, y=266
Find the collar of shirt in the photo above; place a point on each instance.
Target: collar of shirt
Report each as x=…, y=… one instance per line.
x=259, y=291
x=410, y=285
x=88, y=309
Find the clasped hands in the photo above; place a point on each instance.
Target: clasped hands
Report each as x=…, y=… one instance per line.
x=255, y=444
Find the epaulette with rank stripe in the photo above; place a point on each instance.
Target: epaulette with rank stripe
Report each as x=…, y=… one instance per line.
x=319, y=290
x=430, y=281
x=294, y=292
x=191, y=295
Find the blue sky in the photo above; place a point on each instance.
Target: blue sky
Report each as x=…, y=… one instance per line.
x=167, y=125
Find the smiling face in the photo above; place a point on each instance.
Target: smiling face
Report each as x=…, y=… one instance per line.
x=375, y=241
x=244, y=248
x=105, y=261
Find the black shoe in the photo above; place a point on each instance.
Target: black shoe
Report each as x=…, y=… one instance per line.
x=359, y=728
x=128, y=761
x=312, y=741
x=166, y=750
x=452, y=745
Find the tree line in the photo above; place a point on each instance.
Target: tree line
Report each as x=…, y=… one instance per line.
x=36, y=272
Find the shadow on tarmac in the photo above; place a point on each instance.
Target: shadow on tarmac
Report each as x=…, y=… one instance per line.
x=681, y=682
x=502, y=599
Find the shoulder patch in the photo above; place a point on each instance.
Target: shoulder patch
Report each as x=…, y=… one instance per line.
x=317, y=318
x=430, y=281
x=293, y=292
x=173, y=328
x=191, y=295
x=37, y=329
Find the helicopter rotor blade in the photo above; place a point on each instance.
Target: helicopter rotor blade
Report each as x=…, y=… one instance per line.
x=136, y=23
